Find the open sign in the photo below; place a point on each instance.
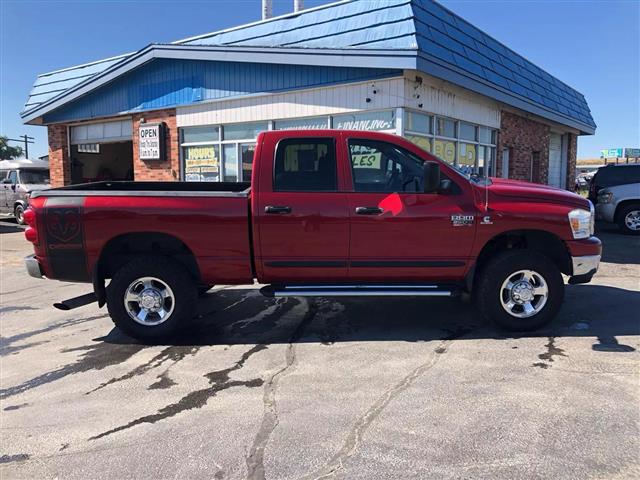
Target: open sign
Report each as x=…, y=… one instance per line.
x=151, y=141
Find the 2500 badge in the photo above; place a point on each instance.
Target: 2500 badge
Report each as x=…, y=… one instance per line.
x=462, y=220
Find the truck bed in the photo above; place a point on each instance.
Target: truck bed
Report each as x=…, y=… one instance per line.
x=209, y=220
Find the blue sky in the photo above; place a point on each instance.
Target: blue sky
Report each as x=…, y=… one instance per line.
x=594, y=46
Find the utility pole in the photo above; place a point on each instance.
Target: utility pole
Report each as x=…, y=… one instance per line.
x=23, y=139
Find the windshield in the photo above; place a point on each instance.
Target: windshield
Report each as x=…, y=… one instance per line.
x=34, y=176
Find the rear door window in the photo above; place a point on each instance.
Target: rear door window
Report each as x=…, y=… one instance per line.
x=305, y=165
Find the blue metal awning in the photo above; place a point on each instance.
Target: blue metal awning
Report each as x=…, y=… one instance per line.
x=390, y=34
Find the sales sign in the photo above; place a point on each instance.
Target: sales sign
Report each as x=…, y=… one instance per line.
x=151, y=144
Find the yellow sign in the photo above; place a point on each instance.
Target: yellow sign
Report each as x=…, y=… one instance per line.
x=366, y=160
x=423, y=142
x=467, y=154
x=200, y=157
x=445, y=150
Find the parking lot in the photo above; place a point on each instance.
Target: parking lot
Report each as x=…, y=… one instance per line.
x=297, y=389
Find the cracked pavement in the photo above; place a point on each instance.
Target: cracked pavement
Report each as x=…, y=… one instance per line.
x=308, y=389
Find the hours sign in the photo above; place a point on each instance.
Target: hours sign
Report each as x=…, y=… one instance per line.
x=151, y=144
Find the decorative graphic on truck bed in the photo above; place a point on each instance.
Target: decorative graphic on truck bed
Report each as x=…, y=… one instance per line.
x=65, y=243
x=63, y=226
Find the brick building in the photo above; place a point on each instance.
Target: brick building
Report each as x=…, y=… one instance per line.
x=409, y=67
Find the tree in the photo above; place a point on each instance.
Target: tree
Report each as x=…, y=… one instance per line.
x=7, y=152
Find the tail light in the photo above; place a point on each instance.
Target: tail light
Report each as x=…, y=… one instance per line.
x=31, y=234
x=29, y=216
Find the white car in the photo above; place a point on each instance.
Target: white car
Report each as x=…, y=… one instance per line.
x=620, y=204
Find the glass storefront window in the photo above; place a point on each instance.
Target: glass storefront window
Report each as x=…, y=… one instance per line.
x=417, y=122
x=385, y=120
x=244, y=131
x=200, y=134
x=201, y=163
x=230, y=155
x=246, y=154
x=467, y=157
x=423, y=142
x=467, y=131
x=314, y=123
x=445, y=149
x=445, y=127
x=487, y=135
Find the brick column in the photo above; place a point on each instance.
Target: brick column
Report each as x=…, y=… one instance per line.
x=572, y=156
x=59, y=164
x=151, y=170
x=523, y=137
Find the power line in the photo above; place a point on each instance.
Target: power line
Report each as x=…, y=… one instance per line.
x=23, y=139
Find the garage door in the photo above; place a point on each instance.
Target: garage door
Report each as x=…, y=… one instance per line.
x=104, y=132
x=555, y=160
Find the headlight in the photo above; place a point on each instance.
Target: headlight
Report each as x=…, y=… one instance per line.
x=605, y=197
x=582, y=222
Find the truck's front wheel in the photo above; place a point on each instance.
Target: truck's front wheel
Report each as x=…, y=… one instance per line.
x=150, y=298
x=520, y=290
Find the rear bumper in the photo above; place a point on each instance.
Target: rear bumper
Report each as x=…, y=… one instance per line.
x=33, y=266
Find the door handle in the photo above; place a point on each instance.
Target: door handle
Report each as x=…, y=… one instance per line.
x=278, y=210
x=369, y=210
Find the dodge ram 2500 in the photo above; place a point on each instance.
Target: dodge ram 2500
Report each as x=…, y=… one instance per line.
x=327, y=213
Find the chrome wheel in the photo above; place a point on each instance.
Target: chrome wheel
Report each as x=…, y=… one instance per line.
x=524, y=293
x=149, y=301
x=632, y=220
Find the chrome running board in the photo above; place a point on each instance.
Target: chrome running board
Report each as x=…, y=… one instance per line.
x=356, y=291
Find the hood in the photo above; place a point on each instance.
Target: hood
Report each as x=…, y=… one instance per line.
x=527, y=191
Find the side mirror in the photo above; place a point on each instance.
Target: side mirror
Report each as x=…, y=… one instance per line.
x=445, y=186
x=431, y=177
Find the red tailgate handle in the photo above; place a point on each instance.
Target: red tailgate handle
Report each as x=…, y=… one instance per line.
x=277, y=210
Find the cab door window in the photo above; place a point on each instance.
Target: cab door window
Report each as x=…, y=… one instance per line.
x=383, y=167
x=12, y=178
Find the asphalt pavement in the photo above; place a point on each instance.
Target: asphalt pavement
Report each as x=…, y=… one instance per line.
x=306, y=389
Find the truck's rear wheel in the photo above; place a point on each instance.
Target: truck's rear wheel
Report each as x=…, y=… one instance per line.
x=151, y=298
x=520, y=290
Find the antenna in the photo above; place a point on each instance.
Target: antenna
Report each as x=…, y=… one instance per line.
x=267, y=9
x=298, y=5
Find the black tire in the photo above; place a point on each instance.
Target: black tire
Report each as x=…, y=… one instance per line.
x=500, y=268
x=172, y=274
x=622, y=218
x=18, y=213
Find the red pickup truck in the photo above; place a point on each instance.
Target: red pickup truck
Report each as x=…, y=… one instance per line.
x=327, y=213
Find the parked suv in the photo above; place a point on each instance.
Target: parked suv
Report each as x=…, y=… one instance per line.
x=17, y=179
x=615, y=191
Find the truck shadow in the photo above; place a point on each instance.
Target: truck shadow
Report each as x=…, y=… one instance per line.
x=230, y=317
x=618, y=247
